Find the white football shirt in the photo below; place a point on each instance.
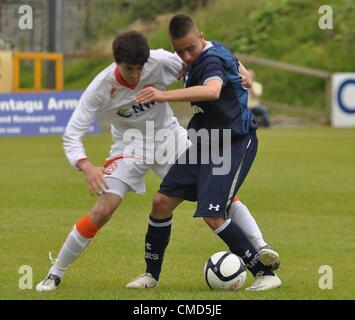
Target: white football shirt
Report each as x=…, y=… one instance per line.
x=108, y=96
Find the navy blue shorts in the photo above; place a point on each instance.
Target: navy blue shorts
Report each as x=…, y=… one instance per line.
x=199, y=182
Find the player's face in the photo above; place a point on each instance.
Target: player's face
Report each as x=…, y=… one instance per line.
x=130, y=73
x=189, y=47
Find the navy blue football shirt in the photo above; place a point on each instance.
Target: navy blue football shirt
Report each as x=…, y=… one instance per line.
x=230, y=111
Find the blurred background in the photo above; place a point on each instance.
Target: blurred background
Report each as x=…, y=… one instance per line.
x=281, y=41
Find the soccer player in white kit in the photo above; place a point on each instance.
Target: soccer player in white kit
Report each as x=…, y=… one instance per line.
x=113, y=93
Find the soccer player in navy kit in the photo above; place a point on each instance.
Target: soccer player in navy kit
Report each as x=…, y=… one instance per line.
x=213, y=85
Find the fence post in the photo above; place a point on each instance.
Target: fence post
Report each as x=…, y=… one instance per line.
x=328, y=98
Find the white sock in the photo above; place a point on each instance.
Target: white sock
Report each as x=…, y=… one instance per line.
x=73, y=246
x=241, y=216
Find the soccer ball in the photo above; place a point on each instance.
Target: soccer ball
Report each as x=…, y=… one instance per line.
x=225, y=271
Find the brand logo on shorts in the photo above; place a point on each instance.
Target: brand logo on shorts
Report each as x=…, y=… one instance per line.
x=215, y=208
x=111, y=167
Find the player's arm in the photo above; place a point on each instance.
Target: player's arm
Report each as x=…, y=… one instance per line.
x=246, y=76
x=208, y=88
x=78, y=125
x=209, y=91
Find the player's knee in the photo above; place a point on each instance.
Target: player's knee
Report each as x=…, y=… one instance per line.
x=161, y=207
x=214, y=222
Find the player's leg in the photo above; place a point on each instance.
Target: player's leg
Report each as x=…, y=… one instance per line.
x=175, y=187
x=83, y=233
x=241, y=216
x=156, y=240
x=213, y=206
x=263, y=281
x=171, y=193
x=160, y=219
x=237, y=242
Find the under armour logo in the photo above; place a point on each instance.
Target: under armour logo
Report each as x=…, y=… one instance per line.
x=148, y=246
x=215, y=208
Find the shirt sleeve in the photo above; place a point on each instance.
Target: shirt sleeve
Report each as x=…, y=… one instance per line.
x=171, y=66
x=212, y=68
x=80, y=121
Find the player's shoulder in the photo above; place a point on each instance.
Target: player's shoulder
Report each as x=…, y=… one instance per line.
x=102, y=83
x=207, y=59
x=159, y=56
x=103, y=78
x=218, y=49
x=217, y=53
x=160, y=53
x=105, y=75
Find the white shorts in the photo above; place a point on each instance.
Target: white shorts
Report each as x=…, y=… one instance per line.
x=130, y=167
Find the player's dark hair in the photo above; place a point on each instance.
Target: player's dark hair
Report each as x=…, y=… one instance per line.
x=180, y=25
x=130, y=47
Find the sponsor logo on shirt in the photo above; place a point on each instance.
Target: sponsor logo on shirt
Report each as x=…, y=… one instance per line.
x=113, y=92
x=134, y=110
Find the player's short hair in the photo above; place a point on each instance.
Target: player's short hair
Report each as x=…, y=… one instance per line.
x=180, y=25
x=130, y=47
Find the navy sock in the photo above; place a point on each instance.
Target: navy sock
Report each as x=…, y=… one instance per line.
x=156, y=241
x=239, y=244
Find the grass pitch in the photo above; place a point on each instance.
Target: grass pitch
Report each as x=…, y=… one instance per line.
x=301, y=191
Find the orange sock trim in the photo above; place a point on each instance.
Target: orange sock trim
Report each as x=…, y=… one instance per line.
x=86, y=227
x=235, y=199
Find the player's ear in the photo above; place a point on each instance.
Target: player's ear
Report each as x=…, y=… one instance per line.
x=202, y=36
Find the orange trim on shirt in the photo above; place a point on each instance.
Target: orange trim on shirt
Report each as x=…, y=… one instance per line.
x=235, y=199
x=122, y=81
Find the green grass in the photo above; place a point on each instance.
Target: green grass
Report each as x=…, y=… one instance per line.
x=301, y=191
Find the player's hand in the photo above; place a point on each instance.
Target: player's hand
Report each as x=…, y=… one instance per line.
x=245, y=82
x=94, y=178
x=247, y=79
x=183, y=71
x=149, y=94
